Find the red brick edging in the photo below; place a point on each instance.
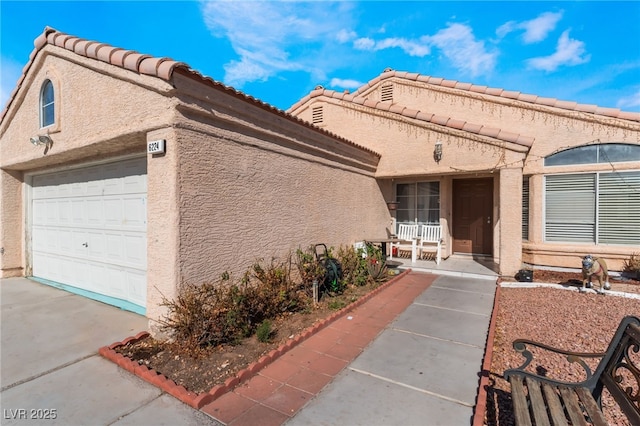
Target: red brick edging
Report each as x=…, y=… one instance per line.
x=200, y=400
x=481, y=403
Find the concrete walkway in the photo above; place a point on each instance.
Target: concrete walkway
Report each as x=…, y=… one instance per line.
x=422, y=369
x=49, y=365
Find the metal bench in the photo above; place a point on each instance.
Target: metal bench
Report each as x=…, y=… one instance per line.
x=540, y=400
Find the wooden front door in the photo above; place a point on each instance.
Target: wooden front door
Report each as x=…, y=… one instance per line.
x=473, y=216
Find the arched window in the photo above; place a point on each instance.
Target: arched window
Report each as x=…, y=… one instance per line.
x=47, y=104
x=593, y=154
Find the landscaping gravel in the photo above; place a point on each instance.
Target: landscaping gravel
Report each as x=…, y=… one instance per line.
x=560, y=318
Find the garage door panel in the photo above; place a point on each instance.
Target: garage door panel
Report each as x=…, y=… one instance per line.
x=89, y=229
x=135, y=212
x=135, y=250
x=137, y=287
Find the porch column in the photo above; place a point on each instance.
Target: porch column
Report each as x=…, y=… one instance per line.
x=510, y=221
x=11, y=224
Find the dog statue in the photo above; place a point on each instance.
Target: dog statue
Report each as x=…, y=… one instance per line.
x=594, y=266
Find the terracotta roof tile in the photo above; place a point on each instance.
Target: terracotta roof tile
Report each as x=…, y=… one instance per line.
x=411, y=113
x=449, y=83
x=566, y=104
x=489, y=131
x=384, y=106
x=510, y=94
x=81, y=47
x=508, y=136
x=132, y=61
x=493, y=91
x=396, y=109
x=144, y=64
x=471, y=128
x=587, y=108
x=478, y=89
x=424, y=116
x=527, y=98
x=439, y=119
x=456, y=124
x=370, y=103
x=546, y=101
x=92, y=50
x=463, y=86
x=117, y=57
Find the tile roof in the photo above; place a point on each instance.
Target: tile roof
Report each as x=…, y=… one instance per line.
x=162, y=68
x=448, y=122
x=533, y=99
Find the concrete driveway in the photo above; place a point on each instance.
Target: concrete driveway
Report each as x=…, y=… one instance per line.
x=50, y=370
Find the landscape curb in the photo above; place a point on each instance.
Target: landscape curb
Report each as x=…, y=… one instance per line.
x=481, y=402
x=200, y=400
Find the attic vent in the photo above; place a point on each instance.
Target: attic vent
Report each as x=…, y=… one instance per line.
x=317, y=115
x=387, y=93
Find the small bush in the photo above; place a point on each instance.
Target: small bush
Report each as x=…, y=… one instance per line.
x=632, y=264
x=354, y=268
x=264, y=331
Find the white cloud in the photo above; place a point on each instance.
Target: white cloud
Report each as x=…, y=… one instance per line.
x=459, y=45
x=264, y=34
x=568, y=52
x=629, y=102
x=535, y=30
x=10, y=72
x=411, y=48
x=364, y=43
x=345, y=36
x=345, y=83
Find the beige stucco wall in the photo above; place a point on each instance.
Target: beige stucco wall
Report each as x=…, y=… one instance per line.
x=407, y=146
x=249, y=186
x=237, y=182
x=98, y=116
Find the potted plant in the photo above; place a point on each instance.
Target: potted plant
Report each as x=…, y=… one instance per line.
x=632, y=265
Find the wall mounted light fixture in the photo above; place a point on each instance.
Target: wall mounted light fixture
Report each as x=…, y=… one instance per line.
x=437, y=152
x=41, y=140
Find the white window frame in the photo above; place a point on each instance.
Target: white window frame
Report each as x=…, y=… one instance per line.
x=414, y=219
x=49, y=105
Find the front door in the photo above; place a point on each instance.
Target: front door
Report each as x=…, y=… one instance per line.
x=473, y=216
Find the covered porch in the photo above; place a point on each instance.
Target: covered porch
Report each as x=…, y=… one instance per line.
x=459, y=265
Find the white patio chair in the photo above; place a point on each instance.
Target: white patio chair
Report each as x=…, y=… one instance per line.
x=431, y=240
x=408, y=236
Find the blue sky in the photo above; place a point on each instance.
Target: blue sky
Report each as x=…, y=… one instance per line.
x=278, y=51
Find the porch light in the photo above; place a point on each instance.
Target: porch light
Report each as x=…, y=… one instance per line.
x=437, y=152
x=41, y=140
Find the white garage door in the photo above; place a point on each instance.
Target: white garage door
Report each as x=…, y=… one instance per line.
x=89, y=230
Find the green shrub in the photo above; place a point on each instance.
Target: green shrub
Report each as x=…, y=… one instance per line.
x=264, y=332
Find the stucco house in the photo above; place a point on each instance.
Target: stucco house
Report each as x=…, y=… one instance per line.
x=125, y=175
x=526, y=180
x=85, y=206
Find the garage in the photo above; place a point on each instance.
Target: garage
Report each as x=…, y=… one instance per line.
x=88, y=231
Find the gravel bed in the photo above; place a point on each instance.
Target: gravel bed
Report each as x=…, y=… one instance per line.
x=562, y=319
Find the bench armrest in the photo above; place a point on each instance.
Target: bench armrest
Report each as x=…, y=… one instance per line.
x=520, y=346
